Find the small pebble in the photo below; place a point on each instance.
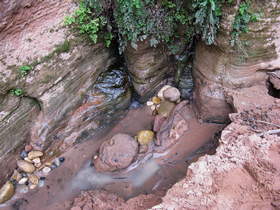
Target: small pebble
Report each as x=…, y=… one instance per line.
x=36, y=160
x=53, y=166
x=62, y=159
x=56, y=162
x=28, y=148
x=34, y=154
x=38, y=165
x=144, y=137
x=25, y=166
x=156, y=100
x=7, y=192
x=23, y=154
x=153, y=107
x=32, y=186
x=46, y=170
x=28, y=160
x=41, y=183
x=16, y=176
x=24, y=174
x=150, y=103
x=48, y=163
x=95, y=157
x=23, y=180
x=33, y=179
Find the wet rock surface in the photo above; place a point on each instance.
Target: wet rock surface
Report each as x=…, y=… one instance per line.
x=116, y=153
x=173, y=127
x=165, y=108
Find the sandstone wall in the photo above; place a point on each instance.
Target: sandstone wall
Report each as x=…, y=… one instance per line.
x=148, y=67
x=61, y=104
x=222, y=66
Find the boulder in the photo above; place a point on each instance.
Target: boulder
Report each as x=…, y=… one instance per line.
x=116, y=153
x=171, y=94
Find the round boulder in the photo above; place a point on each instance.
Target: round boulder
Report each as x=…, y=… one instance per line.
x=144, y=137
x=171, y=94
x=116, y=153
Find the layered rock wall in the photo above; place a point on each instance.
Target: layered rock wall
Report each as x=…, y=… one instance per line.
x=60, y=104
x=245, y=65
x=148, y=67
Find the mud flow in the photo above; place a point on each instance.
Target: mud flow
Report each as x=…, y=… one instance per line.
x=153, y=171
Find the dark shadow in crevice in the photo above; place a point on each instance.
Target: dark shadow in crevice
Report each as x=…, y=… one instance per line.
x=272, y=91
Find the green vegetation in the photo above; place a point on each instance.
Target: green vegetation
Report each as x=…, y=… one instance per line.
x=17, y=92
x=85, y=22
x=61, y=48
x=207, y=19
x=24, y=70
x=243, y=17
x=131, y=21
x=140, y=20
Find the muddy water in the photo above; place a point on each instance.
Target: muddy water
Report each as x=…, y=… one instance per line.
x=156, y=174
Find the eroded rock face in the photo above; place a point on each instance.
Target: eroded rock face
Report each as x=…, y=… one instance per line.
x=222, y=66
x=148, y=67
x=16, y=116
x=63, y=99
x=244, y=173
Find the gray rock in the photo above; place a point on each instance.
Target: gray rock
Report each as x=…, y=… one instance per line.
x=25, y=166
x=6, y=192
x=116, y=153
x=172, y=94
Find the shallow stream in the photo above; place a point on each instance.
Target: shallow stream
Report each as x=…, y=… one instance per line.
x=155, y=173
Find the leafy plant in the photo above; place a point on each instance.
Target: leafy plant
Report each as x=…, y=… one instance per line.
x=243, y=17
x=138, y=20
x=62, y=48
x=207, y=19
x=131, y=21
x=25, y=69
x=17, y=92
x=85, y=23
